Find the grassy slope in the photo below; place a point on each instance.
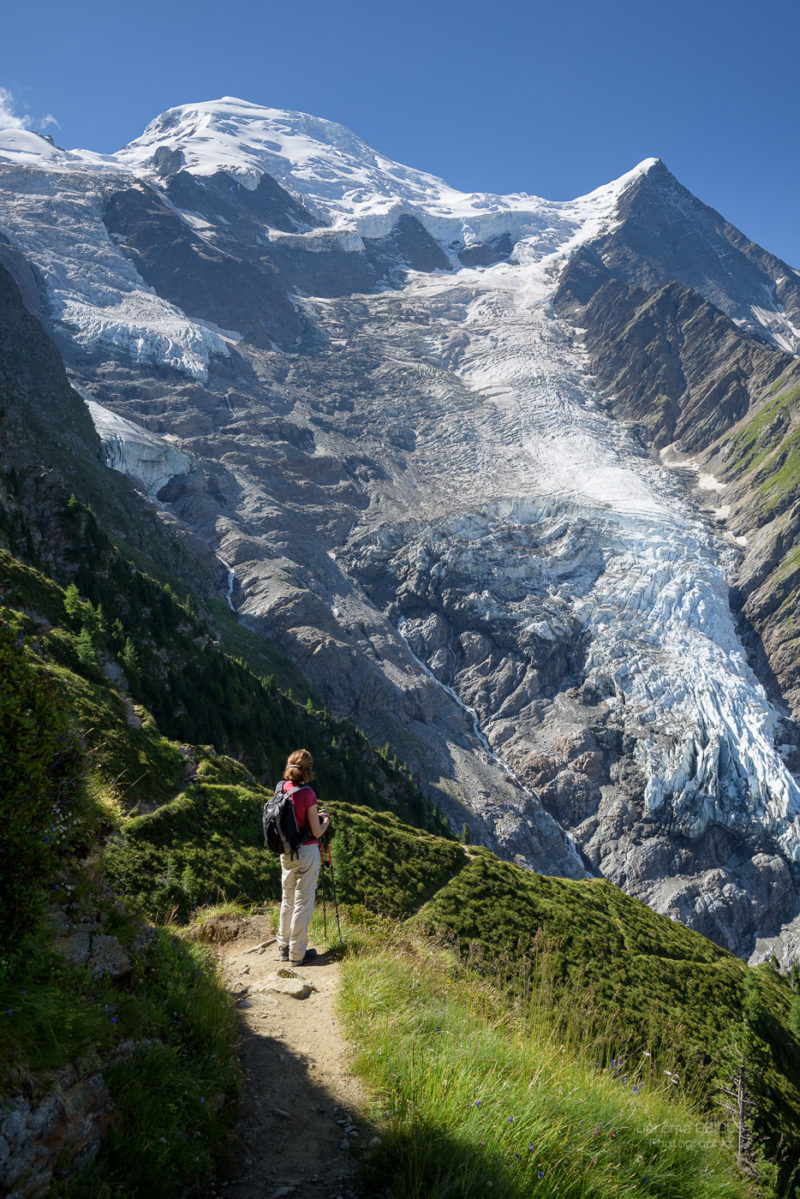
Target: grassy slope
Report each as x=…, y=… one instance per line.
x=185, y=826
x=634, y=981
x=185, y=685
x=765, y=446
x=475, y=1099
x=648, y=981
x=638, y=980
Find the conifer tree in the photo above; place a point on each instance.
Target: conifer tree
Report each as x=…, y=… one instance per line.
x=130, y=659
x=85, y=648
x=72, y=603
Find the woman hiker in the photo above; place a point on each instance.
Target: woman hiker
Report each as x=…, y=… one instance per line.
x=299, y=873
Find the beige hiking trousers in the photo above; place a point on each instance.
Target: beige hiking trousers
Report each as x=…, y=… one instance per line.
x=299, y=877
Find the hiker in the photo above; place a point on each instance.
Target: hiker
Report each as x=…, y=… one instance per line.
x=300, y=871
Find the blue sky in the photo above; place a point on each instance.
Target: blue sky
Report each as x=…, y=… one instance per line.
x=498, y=96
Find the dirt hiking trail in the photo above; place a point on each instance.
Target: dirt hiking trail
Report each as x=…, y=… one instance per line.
x=300, y=1111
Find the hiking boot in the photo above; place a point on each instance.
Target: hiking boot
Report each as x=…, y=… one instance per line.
x=284, y=953
x=309, y=957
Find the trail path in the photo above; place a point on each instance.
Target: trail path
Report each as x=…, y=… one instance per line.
x=300, y=1108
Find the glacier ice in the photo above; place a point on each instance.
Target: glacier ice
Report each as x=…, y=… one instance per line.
x=134, y=451
x=639, y=571
x=54, y=217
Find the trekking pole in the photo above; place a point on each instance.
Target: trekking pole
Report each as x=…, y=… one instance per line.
x=333, y=886
x=324, y=913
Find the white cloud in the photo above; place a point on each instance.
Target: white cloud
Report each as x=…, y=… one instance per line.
x=10, y=120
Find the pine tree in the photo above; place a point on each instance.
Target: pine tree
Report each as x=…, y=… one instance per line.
x=130, y=659
x=85, y=648
x=72, y=603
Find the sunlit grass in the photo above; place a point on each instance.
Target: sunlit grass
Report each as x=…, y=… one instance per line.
x=475, y=1099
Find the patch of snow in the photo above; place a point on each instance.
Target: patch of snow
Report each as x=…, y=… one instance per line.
x=707, y=482
x=776, y=324
x=230, y=335
x=25, y=146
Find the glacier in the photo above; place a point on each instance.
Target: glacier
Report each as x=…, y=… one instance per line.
x=95, y=295
x=645, y=579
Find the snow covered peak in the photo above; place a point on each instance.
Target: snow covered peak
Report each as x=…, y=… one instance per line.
x=311, y=155
x=346, y=183
x=343, y=179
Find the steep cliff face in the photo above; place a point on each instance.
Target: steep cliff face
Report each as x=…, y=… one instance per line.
x=420, y=427
x=670, y=359
x=665, y=235
x=50, y=449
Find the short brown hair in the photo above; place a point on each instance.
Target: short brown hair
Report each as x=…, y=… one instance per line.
x=299, y=767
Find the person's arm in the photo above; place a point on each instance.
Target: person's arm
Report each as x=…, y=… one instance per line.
x=317, y=821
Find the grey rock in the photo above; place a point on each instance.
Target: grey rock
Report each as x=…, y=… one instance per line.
x=75, y=947
x=14, y=1126
x=108, y=957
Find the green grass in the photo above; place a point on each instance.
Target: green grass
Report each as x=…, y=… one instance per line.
x=185, y=1060
x=644, y=981
x=666, y=988
x=387, y=866
x=204, y=846
x=24, y=587
x=767, y=447
x=138, y=763
x=163, y=1040
x=473, y=1100
x=781, y=475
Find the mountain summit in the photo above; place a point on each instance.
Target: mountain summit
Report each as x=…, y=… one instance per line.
x=490, y=469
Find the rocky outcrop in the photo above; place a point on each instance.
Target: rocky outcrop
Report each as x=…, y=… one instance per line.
x=671, y=361
x=64, y=1128
x=245, y=296
x=49, y=448
x=666, y=235
x=222, y=200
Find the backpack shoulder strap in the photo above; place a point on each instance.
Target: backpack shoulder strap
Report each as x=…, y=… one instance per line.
x=291, y=791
